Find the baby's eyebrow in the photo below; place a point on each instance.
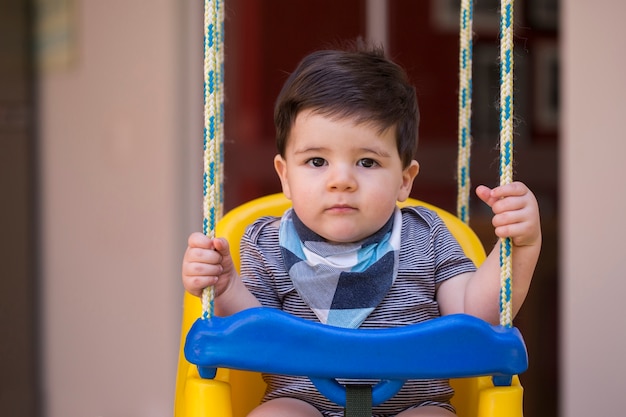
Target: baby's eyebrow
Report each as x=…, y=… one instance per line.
x=376, y=151
x=310, y=149
x=321, y=149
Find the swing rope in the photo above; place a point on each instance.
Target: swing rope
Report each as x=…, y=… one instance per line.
x=212, y=183
x=506, y=150
x=506, y=131
x=465, y=109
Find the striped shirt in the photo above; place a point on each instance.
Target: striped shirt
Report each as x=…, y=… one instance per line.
x=429, y=255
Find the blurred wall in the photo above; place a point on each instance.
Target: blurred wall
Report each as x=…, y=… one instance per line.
x=113, y=128
x=592, y=206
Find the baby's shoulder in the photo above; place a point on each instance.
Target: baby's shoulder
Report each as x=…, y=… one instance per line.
x=420, y=214
x=263, y=229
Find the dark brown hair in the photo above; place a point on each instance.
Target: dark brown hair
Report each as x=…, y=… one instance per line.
x=360, y=83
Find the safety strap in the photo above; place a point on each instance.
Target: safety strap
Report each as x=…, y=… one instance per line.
x=358, y=401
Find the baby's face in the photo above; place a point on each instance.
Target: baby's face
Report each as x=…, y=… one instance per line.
x=344, y=179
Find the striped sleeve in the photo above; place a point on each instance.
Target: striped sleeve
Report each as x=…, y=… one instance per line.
x=261, y=261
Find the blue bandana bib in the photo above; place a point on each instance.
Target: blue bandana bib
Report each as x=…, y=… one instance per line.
x=341, y=282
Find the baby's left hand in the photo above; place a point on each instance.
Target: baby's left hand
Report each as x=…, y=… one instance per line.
x=516, y=212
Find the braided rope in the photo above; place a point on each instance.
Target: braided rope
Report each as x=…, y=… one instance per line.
x=506, y=150
x=506, y=132
x=213, y=128
x=465, y=109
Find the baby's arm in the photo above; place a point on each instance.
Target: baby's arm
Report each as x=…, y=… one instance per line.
x=516, y=215
x=208, y=262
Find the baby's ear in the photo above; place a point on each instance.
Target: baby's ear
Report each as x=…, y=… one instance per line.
x=408, y=176
x=280, y=165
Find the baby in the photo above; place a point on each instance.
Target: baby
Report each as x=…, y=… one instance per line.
x=345, y=254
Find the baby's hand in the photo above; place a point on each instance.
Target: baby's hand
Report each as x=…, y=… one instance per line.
x=516, y=212
x=207, y=262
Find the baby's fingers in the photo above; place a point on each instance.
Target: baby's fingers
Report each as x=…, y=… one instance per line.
x=491, y=197
x=512, y=197
x=206, y=263
x=199, y=275
x=515, y=188
x=201, y=264
x=509, y=224
x=522, y=226
x=199, y=240
x=196, y=284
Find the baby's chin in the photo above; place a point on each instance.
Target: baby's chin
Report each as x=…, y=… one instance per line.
x=347, y=235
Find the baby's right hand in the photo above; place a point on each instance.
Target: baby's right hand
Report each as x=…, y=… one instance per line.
x=207, y=262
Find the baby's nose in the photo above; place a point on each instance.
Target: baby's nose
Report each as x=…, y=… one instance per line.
x=342, y=178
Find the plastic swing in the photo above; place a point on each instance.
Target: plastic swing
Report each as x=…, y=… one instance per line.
x=220, y=359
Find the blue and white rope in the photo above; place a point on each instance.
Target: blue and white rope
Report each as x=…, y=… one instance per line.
x=465, y=109
x=506, y=132
x=506, y=151
x=213, y=127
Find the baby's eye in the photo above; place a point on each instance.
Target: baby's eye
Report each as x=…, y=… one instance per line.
x=367, y=163
x=316, y=162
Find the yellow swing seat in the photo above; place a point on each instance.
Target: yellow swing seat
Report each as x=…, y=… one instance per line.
x=235, y=393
